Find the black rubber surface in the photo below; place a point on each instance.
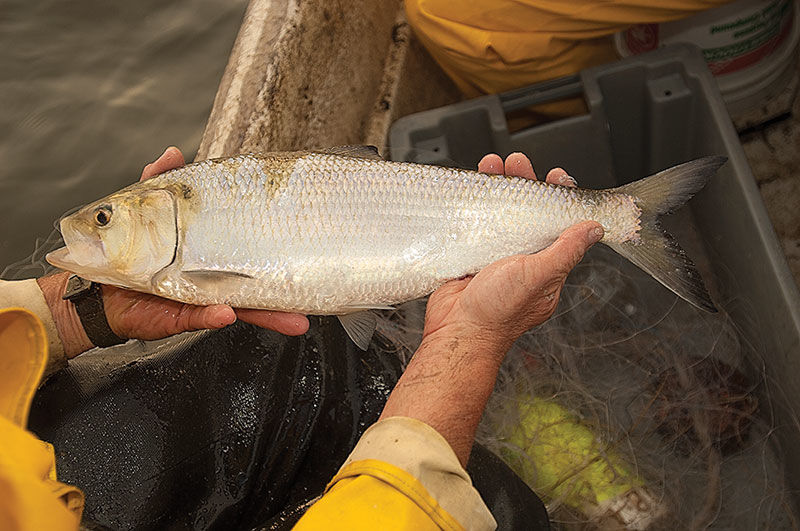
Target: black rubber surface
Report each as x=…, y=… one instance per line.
x=235, y=429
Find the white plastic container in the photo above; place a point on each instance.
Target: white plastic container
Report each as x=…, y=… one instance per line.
x=749, y=46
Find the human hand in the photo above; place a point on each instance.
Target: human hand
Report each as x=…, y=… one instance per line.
x=514, y=294
x=132, y=314
x=471, y=323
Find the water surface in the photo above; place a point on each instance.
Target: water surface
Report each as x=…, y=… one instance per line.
x=91, y=91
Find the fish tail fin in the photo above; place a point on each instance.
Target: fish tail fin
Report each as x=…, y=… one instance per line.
x=669, y=189
x=656, y=251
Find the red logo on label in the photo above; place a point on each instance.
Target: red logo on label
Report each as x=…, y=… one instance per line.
x=642, y=38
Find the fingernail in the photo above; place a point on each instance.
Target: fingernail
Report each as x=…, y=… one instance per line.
x=594, y=235
x=567, y=180
x=520, y=160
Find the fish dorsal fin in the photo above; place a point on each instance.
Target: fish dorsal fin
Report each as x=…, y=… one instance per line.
x=359, y=326
x=364, y=152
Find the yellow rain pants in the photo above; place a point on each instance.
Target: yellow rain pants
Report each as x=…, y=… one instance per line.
x=489, y=46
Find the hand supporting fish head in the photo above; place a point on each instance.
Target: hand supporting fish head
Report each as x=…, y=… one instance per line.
x=123, y=239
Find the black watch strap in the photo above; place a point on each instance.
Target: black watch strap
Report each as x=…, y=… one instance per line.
x=88, y=300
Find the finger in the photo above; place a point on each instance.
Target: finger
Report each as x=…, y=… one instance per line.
x=169, y=160
x=565, y=253
x=290, y=324
x=201, y=317
x=491, y=163
x=518, y=165
x=560, y=177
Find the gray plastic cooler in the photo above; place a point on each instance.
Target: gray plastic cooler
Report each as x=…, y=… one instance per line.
x=647, y=113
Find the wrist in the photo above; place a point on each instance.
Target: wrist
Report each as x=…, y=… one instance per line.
x=68, y=324
x=447, y=384
x=468, y=340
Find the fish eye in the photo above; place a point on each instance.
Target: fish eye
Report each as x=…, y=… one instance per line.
x=102, y=216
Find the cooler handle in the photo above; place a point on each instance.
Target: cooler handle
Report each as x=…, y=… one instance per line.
x=544, y=92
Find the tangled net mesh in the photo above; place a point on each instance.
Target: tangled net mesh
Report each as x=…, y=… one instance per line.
x=36, y=265
x=665, y=409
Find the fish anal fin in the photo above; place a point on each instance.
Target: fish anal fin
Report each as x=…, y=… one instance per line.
x=359, y=326
x=364, y=152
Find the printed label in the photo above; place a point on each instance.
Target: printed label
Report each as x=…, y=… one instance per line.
x=728, y=46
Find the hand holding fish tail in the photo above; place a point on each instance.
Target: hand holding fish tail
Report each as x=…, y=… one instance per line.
x=518, y=165
x=516, y=293
x=471, y=323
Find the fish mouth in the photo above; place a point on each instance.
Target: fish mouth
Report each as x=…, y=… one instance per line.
x=81, y=248
x=62, y=259
x=82, y=253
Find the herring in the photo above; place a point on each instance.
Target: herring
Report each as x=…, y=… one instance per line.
x=343, y=232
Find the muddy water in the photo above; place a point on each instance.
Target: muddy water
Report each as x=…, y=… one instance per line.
x=90, y=91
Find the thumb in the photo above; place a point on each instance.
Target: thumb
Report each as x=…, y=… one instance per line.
x=544, y=274
x=565, y=253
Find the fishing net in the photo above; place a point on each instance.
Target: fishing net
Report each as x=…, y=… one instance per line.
x=35, y=265
x=632, y=409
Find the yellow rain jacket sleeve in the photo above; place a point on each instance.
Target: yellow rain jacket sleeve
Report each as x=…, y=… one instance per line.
x=27, y=294
x=489, y=46
x=401, y=475
x=30, y=496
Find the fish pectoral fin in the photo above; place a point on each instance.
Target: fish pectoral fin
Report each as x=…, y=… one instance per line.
x=215, y=281
x=359, y=326
x=364, y=152
x=215, y=273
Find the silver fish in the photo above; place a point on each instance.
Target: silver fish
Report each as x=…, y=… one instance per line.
x=343, y=232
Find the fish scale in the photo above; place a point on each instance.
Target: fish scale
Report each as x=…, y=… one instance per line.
x=340, y=232
x=350, y=232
